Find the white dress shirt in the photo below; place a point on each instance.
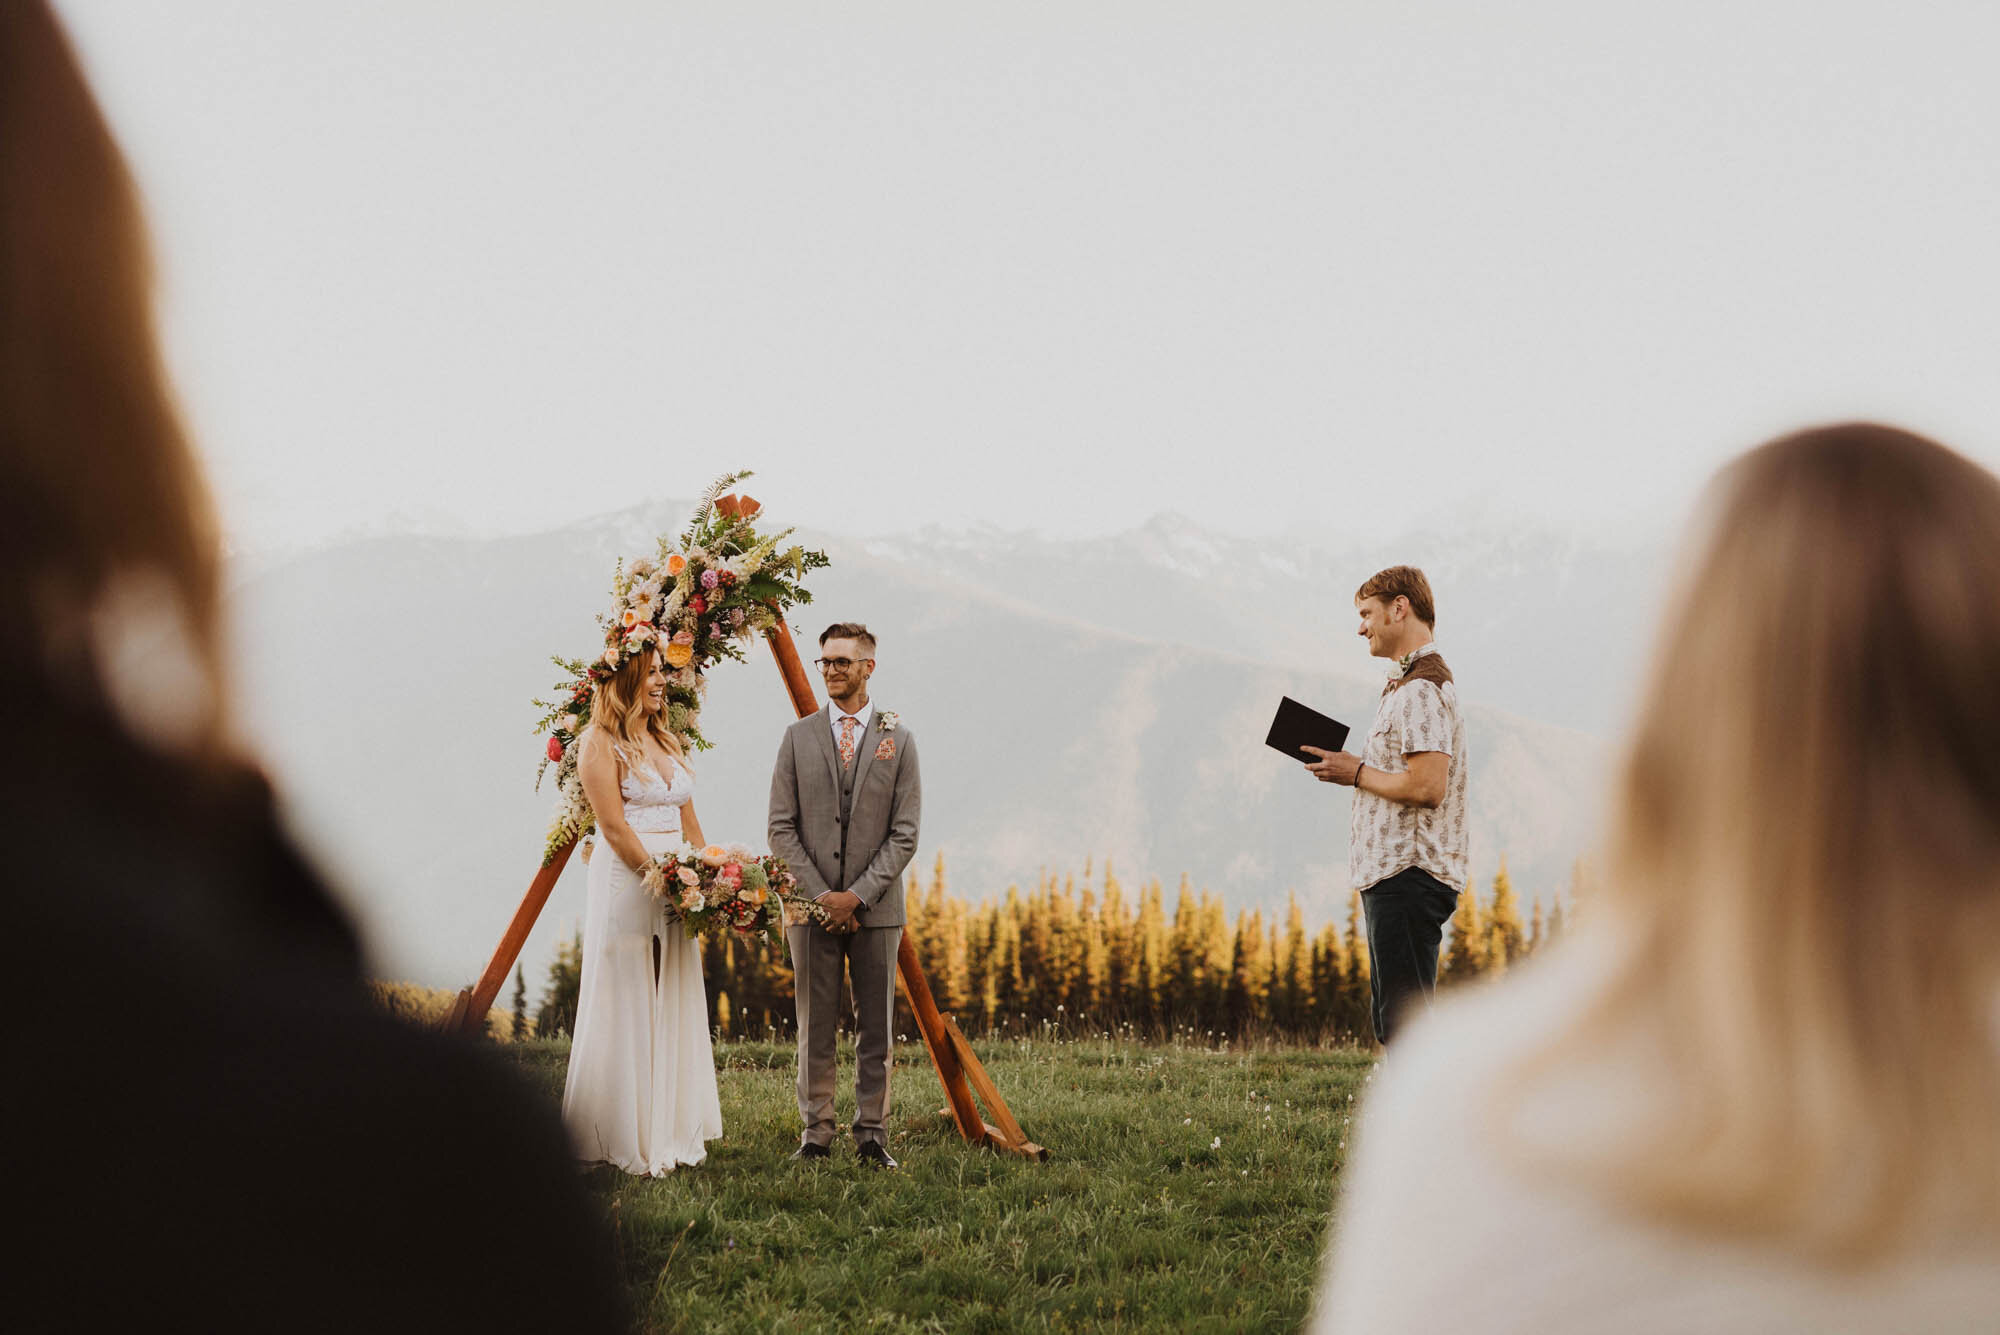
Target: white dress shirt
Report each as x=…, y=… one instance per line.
x=834, y=716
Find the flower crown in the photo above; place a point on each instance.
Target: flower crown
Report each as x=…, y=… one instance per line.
x=699, y=600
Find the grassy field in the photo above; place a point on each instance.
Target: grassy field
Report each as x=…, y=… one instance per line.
x=1187, y=1188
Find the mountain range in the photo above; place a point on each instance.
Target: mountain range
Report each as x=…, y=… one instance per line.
x=1076, y=702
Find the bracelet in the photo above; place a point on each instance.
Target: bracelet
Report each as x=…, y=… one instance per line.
x=1357, y=776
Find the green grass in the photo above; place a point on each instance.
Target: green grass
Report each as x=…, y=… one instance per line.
x=1134, y=1223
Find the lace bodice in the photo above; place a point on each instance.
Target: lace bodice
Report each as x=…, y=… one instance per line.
x=652, y=805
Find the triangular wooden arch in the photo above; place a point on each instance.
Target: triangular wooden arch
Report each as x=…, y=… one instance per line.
x=957, y=1068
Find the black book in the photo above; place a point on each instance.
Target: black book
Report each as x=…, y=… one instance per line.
x=1298, y=726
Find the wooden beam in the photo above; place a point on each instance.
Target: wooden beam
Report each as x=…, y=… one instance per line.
x=937, y=1041
x=1009, y=1136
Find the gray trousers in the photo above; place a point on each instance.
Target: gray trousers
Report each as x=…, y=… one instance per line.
x=870, y=956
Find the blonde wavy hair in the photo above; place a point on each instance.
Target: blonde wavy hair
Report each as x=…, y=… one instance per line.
x=1803, y=867
x=619, y=711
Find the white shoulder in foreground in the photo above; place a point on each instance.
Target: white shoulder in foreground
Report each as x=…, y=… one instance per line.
x=1441, y=1227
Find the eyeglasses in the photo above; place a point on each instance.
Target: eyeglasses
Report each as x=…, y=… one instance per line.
x=837, y=664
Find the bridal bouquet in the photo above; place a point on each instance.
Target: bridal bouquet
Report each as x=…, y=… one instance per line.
x=728, y=887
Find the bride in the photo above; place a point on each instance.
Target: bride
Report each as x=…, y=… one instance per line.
x=641, y=1087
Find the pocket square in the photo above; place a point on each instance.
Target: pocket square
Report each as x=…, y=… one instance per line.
x=887, y=750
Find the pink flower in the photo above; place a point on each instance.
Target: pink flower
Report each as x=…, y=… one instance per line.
x=688, y=877
x=709, y=579
x=555, y=749
x=683, y=637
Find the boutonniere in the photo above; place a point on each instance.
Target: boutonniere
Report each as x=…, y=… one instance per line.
x=1403, y=663
x=887, y=720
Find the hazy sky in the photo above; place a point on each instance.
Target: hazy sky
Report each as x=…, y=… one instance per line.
x=502, y=264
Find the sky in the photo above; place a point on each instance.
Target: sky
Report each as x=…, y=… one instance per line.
x=1325, y=268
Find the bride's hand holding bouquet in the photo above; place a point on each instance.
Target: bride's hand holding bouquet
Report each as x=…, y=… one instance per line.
x=729, y=887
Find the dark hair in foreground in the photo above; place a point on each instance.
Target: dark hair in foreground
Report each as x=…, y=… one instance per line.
x=97, y=482
x=291, y=1130
x=849, y=630
x=1402, y=582
x=1803, y=873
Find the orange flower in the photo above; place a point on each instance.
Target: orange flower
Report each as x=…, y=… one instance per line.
x=676, y=563
x=679, y=655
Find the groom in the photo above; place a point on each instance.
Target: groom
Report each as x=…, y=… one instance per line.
x=845, y=797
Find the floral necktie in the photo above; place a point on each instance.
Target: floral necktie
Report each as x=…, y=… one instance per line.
x=846, y=743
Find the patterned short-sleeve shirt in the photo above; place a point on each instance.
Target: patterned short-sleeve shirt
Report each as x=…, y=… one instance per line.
x=1387, y=837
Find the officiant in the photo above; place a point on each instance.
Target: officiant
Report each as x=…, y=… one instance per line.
x=1406, y=845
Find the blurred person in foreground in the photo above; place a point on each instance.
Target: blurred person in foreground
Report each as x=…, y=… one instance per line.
x=1758, y=1089
x=212, y=1128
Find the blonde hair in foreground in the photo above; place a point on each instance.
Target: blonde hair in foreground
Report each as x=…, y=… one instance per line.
x=620, y=710
x=1804, y=861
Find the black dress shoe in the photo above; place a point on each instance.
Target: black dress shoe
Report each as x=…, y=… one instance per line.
x=812, y=1151
x=875, y=1155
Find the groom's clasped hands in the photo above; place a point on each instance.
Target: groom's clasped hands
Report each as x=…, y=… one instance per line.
x=841, y=907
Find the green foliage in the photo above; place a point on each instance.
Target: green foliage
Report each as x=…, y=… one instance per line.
x=1134, y=1223
x=1465, y=954
x=1505, y=941
x=558, y=1012
x=520, y=1027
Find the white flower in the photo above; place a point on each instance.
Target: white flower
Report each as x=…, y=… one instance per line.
x=572, y=722
x=611, y=656
x=1215, y=1144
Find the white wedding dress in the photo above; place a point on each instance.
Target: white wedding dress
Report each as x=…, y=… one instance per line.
x=641, y=1086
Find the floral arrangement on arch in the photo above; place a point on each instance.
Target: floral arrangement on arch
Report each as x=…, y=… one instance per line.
x=729, y=888
x=700, y=599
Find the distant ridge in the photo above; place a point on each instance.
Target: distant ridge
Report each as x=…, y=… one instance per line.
x=1073, y=699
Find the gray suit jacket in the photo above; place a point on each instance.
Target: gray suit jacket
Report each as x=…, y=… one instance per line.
x=853, y=832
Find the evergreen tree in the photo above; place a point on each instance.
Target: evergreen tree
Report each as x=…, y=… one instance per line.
x=1293, y=986
x=1556, y=920
x=1504, y=940
x=1005, y=957
x=520, y=1002
x=981, y=927
x=1536, y=927
x=1218, y=961
x=1149, y=941
x=558, y=1012
x=1246, y=975
x=1096, y=970
x=1184, y=954
x=1466, y=956
x=1357, y=1008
